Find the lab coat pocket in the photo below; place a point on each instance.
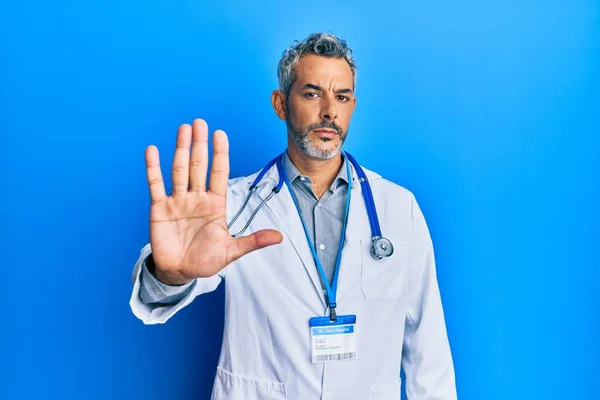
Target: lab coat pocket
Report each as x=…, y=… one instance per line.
x=389, y=391
x=384, y=279
x=234, y=387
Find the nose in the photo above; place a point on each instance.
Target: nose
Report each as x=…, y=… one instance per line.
x=328, y=109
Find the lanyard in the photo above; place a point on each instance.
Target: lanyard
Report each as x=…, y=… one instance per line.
x=330, y=289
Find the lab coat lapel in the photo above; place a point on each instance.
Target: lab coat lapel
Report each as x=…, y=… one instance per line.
x=356, y=212
x=358, y=224
x=283, y=208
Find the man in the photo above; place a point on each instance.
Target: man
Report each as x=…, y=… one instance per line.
x=310, y=313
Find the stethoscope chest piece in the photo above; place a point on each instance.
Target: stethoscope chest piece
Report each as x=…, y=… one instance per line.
x=381, y=247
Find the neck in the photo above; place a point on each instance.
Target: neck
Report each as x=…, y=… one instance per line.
x=321, y=172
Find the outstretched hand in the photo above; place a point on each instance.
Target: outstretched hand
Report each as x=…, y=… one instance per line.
x=188, y=229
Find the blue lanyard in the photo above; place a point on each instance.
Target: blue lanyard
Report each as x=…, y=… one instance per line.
x=331, y=289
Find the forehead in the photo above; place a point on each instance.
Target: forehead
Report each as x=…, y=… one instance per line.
x=323, y=71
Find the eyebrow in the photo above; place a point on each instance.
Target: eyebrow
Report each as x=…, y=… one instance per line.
x=319, y=88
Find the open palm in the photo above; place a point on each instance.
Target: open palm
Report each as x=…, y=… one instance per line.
x=188, y=230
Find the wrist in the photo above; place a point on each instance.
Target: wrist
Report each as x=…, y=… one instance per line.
x=164, y=277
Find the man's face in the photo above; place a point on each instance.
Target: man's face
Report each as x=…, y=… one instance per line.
x=320, y=105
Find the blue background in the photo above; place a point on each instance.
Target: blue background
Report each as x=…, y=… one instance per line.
x=488, y=111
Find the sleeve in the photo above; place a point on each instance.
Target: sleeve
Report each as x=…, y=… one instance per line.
x=155, y=293
x=426, y=356
x=151, y=314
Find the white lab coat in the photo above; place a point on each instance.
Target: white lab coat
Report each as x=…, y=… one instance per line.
x=271, y=294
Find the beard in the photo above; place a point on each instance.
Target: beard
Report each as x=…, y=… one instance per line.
x=300, y=137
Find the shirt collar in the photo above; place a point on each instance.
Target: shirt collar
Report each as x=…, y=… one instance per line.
x=293, y=173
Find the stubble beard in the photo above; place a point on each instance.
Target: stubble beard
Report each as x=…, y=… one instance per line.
x=300, y=138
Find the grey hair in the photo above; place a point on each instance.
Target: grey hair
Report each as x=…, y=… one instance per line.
x=321, y=44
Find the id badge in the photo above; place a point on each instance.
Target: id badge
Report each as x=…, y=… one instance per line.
x=331, y=341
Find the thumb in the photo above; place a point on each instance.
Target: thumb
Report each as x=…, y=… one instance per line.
x=257, y=240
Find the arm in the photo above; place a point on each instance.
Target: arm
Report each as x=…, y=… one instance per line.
x=426, y=355
x=180, y=296
x=189, y=239
x=155, y=293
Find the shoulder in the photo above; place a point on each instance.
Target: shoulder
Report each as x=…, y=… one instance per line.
x=240, y=182
x=387, y=189
x=241, y=185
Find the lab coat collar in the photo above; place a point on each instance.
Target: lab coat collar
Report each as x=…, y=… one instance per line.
x=273, y=176
x=294, y=174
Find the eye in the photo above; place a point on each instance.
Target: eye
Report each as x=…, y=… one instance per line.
x=311, y=95
x=343, y=98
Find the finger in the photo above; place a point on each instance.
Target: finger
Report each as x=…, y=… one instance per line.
x=199, y=160
x=219, y=172
x=154, y=175
x=244, y=245
x=181, y=161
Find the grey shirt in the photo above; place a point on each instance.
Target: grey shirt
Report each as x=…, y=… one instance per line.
x=324, y=219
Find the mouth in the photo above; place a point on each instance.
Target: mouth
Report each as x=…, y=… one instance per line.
x=325, y=133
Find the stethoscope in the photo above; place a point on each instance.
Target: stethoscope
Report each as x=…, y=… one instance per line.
x=380, y=246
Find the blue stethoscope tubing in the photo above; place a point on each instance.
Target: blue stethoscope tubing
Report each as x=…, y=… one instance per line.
x=380, y=247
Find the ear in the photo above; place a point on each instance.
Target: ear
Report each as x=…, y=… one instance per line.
x=278, y=103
